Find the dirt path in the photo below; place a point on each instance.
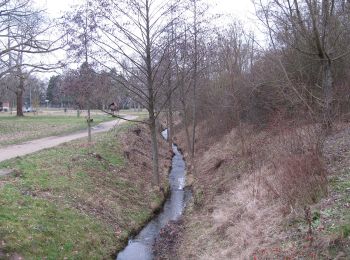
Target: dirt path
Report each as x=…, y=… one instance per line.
x=13, y=151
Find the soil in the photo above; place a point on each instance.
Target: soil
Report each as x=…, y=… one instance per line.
x=4, y=172
x=167, y=243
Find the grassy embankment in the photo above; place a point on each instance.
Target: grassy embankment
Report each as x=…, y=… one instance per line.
x=14, y=130
x=77, y=201
x=250, y=201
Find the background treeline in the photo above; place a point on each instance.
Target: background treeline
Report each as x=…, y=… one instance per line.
x=177, y=57
x=298, y=73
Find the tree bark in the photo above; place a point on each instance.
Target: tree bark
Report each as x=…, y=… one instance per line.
x=153, y=128
x=185, y=117
x=89, y=123
x=327, y=84
x=170, y=121
x=195, y=72
x=171, y=125
x=151, y=99
x=188, y=138
x=19, y=96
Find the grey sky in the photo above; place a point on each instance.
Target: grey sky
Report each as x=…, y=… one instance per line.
x=241, y=9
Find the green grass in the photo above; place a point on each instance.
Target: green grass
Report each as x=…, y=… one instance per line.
x=14, y=130
x=74, y=201
x=36, y=227
x=336, y=217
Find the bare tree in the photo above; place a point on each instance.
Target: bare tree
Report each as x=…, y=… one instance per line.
x=189, y=63
x=131, y=38
x=315, y=29
x=25, y=38
x=234, y=58
x=81, y=28
x=183, y=69
x=195, y=28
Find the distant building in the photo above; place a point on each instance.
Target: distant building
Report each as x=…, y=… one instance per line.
x=4, y=106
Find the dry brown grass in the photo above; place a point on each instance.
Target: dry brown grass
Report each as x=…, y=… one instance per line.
x=244, y=189
x=296, y=172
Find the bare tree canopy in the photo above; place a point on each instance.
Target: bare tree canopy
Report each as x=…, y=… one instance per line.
x=132, y=38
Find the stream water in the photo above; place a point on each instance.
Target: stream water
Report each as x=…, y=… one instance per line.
x=140, y=247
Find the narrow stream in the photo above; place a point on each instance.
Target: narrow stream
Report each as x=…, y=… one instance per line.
x=140, y=247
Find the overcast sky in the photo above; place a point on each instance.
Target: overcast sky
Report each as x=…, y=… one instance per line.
x=242, y=9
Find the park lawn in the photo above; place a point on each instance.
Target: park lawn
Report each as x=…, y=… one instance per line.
x=14, y=130
x=74, y=201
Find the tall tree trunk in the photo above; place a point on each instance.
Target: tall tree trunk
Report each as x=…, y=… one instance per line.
x=170, y=119
x=187, y=131
x=89, y=123
x=171, y=124
x=194, y=121
x=195, y=72
x=86, y=41
x=153, y=128
x=151, y=98
x=167, y=124
x=185, y=117
x=19, y=96
x=327, y=84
